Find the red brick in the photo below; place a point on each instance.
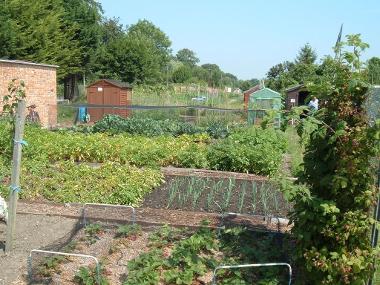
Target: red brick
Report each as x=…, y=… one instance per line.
x=41, y=88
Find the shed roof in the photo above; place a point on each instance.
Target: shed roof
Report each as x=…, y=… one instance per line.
x=265, y=93
x=116, y=83
x=252, y=89
x=297, y=87
x=27, y=63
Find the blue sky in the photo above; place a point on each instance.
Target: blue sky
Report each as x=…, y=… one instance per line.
x=247, y=37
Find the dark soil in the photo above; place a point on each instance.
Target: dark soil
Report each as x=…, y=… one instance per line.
x=218, y=195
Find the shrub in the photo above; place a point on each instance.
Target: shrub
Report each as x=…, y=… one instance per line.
x=332, y=223
x=252, y=151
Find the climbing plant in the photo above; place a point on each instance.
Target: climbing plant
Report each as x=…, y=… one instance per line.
x=16, y=92
x=332, y=220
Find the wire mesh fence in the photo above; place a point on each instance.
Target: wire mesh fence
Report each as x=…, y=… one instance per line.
x=69, y=115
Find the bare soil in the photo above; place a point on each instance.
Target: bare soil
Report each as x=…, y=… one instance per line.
x=32, y=232
x=51, y=226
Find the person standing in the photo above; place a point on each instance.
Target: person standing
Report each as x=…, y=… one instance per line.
x=313, y=104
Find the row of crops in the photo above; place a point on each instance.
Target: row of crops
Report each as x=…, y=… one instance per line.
x=121, y=167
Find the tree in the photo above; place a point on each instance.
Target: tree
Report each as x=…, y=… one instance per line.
x=140, y=54
x=38, y=31
x=214, y=74
x=182, y=74
x=279, y=76
x=246, y=84
x=373, y=69
x=187, y=56
x=147, y=53
x=332, y=219
x=86, y=16
x=286, y=74
x=306, y=55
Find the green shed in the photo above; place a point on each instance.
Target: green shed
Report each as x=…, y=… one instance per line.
x=262, y=101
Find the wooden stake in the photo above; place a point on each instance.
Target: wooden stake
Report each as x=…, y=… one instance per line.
x=15, y=178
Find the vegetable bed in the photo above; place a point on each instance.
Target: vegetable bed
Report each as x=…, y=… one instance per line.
x=218, y=195
x=132, y=255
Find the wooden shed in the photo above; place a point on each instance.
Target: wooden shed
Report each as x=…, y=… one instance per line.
x=296, y=96
x=112, y=94
x=248, y=93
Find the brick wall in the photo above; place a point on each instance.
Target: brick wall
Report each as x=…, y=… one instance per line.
x=40, y=85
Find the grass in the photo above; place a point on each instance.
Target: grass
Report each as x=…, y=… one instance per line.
x=295, y=151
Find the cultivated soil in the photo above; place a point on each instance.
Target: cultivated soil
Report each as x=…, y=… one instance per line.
x=201, y=193
x=52, y=226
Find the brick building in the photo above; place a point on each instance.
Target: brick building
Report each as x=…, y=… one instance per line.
x=40, y=86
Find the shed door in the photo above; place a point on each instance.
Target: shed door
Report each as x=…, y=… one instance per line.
x=95, y=97
x=111, y=97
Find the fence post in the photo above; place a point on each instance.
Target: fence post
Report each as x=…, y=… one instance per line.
x=15, y=178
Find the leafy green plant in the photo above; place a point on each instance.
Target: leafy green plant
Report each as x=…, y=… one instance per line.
x=251, y=151
x=193, y=254
x=115, y=124
x=50, y=265
x=145, y=269
x=227, y=194
x=254, y=196
x=16, y=93
x=332, y=221
x=242, y=194
x=89, y=276
x=92, y=231
x=128, y=231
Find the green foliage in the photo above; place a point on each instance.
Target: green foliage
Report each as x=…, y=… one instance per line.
x=145, y=269
x=69, y=182
x=187, y=56
x=373, y=70
x=16, y=92
x=40, y=32
x=286, y=74
x=89, y=276
x=128, y=230
x=332, y=222
x=116, y=125
x=93, y=229
x=50, y=265
x=192, y=255
x=252, y=151
x=77, y=167
x=182, y=74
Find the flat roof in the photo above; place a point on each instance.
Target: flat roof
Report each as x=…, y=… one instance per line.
x=27, y=63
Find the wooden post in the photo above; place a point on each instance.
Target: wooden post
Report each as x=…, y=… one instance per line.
x=15, y=178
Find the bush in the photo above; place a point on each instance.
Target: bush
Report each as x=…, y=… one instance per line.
x=252, y=151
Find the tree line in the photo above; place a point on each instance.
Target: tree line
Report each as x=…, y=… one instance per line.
x=306, y=69
x=76, y=36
